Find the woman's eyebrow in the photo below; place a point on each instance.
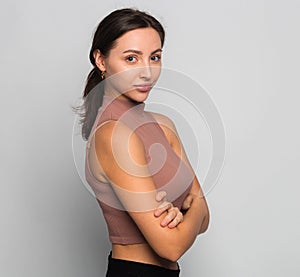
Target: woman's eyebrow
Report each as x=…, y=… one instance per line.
x=138, y=52
x=157, y=50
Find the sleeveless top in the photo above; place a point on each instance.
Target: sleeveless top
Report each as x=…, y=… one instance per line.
x=167, y=170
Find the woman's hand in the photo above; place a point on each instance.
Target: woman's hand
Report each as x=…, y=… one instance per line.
x=174, y=216
x=188, y=201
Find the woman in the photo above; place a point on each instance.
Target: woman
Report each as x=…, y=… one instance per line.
x=151, y=200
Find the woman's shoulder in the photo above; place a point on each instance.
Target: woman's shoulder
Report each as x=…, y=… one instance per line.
x=164, y=120
x=167, y=125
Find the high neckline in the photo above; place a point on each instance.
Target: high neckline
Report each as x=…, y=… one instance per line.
x=122, y=103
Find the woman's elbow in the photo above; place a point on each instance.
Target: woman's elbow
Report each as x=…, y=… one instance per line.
x=169, y=248
x=174, y=249
x=172, y=253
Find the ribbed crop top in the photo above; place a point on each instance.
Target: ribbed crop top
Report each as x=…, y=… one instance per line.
x=173, y=176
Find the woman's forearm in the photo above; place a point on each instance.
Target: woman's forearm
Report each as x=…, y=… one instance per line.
x=188, y=230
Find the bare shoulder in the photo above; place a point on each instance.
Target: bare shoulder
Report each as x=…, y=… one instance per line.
x=168, y=127
x=164, y=120
x=115, y=133
x=116, y=143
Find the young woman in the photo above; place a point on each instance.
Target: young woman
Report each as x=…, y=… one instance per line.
x=135, y=163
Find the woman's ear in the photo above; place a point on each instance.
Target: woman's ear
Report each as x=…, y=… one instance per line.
x=99, y=60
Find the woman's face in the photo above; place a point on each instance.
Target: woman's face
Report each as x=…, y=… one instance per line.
x=133, y=65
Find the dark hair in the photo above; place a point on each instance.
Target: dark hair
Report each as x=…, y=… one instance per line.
x=108, y=31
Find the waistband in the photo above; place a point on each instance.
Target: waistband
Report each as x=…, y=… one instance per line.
x=133, y=268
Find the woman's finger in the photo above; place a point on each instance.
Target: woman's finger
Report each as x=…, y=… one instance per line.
x=178, y=219
x=174, y=216
x=169, y=217
x=165, y=206
x=160, y=195
x=187, y=202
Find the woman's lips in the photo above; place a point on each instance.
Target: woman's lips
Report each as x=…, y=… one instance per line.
x=143, y=88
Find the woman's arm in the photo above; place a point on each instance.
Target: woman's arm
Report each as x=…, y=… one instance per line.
x=172, y=136
x=187, y=204
x=126, y=167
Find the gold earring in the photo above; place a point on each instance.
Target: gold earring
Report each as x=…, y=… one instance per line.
x=102, y=75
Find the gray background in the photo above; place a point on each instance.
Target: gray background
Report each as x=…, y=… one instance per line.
x=245, y=53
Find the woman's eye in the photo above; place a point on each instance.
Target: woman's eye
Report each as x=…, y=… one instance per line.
x=156, y=58
x=131, y=59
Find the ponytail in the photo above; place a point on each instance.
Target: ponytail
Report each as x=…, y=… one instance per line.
x=93, y=98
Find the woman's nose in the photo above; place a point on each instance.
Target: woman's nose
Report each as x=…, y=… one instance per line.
x=145, y=72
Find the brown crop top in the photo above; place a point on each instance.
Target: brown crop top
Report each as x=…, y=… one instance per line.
x=172, y=176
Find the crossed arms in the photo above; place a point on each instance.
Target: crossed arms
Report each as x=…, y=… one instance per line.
x=169, y=243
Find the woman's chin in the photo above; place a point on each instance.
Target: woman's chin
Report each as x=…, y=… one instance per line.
x=142, y=97
x=138, y=96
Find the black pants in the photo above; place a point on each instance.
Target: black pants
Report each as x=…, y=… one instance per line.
x=124, y=268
